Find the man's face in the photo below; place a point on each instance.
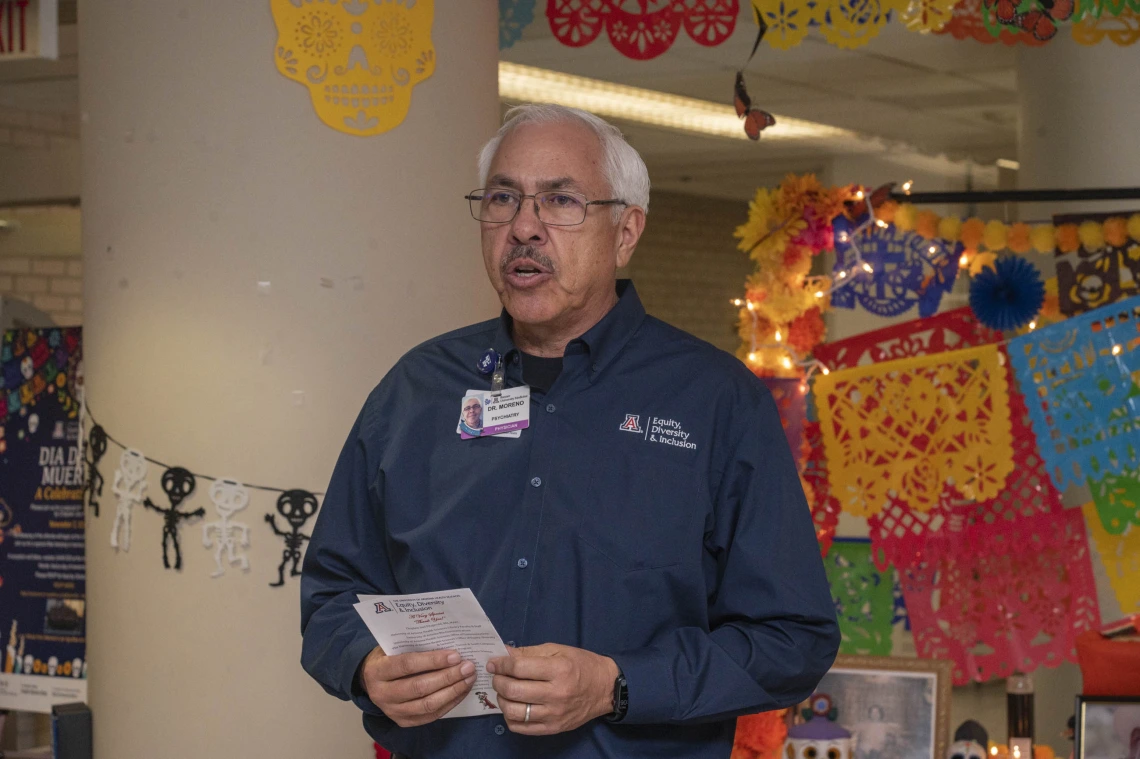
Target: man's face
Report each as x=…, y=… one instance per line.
x=547, y=275
x=472, y=413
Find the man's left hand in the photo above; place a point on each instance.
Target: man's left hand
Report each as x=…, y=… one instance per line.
x=566, y=687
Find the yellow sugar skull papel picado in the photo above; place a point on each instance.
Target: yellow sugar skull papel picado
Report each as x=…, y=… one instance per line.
x=359, y=59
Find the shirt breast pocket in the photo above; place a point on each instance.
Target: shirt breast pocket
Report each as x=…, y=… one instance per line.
x=643, y=512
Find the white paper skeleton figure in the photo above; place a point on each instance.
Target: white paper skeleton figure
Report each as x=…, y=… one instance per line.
x=53, y=664
x=130, y=488
x=229, y=497
x=29, y=664
x=76, y=668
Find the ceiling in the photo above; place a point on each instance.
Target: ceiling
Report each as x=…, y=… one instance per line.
x=916, y=95
x=912, y=94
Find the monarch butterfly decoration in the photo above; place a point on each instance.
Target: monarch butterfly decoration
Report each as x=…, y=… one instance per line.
x=1040, y=21
x=756, y=120
x=856, y=208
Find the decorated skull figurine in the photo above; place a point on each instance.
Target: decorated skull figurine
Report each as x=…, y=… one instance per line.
x=820, y=737
x=970, y=741
x=359, y=59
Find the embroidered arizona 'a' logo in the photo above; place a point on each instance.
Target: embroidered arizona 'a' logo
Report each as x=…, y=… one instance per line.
x=381, y=607
x=630, y=424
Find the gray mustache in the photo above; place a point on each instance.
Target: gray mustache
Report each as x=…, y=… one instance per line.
x=526, y=251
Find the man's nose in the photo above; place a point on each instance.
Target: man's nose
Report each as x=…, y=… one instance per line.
x=526, y=227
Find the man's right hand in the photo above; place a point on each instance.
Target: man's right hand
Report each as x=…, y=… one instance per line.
x=418, y=688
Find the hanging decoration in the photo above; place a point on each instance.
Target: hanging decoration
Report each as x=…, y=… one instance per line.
x=178, y=484
x=296, y=507
x=642, y=29
x=1101, y=264
x=514, y=17
x=947, y=331
x=1120, y=555
x=360, y=61
x=899, y=532
x=824, y=506
x=1122, y=29
x=229, y=497
x=902, y=269
x=781, y=315
x=864, y=598
x=915, y=427
x=92, y=455
x=1116, y=498
x=970, y=19
x=1008, y=294
x=130, y=488
x=995, y=603
x=851, y=24
x=1083, y=373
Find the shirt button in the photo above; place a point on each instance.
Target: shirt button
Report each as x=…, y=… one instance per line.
x=522, y=563
x=499, y=729
x=536, y=482
x=550, y=408
x=511, y=643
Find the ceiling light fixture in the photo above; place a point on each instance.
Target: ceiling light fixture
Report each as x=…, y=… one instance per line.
x=660, y=109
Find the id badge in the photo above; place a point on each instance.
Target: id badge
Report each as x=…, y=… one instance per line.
x=490, y=413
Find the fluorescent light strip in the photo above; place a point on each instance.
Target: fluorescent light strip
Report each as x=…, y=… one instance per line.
x=619, y=101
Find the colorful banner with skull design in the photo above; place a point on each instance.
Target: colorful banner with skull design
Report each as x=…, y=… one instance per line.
x=42, y=570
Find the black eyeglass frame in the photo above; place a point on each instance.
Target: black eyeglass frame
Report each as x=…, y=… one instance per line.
x=474, y=195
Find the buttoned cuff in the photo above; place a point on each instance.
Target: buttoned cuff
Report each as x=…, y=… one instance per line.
x=354, y=657
x=652, y=692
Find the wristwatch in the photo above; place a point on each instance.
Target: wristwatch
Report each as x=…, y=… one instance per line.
x=621, y=700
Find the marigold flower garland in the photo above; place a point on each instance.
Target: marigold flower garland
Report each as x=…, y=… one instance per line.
x=783, y=306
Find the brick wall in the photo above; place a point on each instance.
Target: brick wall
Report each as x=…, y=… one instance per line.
x=687, y=268
x=53, y=285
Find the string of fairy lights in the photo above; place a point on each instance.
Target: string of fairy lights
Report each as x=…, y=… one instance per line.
x=935, y=252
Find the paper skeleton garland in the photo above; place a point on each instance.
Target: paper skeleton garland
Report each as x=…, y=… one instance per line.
x=130, y=488
x=229, y=497
x=297, y=507
x=178, y=484
x=97, y=444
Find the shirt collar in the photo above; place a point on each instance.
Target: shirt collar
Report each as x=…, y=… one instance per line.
x=604, y=340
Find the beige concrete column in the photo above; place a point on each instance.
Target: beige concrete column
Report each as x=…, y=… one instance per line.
x=250, y=275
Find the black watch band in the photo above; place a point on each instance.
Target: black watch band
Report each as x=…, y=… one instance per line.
x=621, y=700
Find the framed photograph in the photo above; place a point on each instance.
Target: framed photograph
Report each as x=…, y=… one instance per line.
x=1108, y=727
x=895, y=707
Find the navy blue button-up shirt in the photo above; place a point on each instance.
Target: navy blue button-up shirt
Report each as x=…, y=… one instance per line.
x=651, y=513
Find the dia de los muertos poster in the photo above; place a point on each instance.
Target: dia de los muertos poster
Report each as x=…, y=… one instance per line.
x=42, y=571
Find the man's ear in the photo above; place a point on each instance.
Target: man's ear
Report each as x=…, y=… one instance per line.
x=629, y=229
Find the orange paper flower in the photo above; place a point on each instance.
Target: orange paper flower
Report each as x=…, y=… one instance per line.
x=1068, y=238
x=1019, y=241
x=1116, y=231
x=973, y=230
x=926, y=225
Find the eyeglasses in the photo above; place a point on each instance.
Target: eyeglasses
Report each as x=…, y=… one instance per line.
x=472, y=407
x=496, y=205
